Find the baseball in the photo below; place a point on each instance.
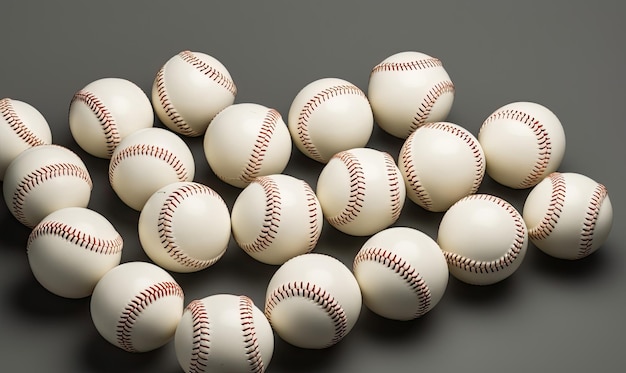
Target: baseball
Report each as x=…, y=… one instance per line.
x=71, y=249
x=255, y=138
x=402, y=273
x=407, y=90
x=43, y=179
x=569, y=215
x=224, y=333
x=189, y=90
x=361, y=191
x=441, y=163
x=277, y=217
x=105, y=111
x=136, y=306
x=147, y=160
x=483, y=238
x=523, y=143
x=184, y=227
x=313, y=301
x=329, y=115
x=21, y=127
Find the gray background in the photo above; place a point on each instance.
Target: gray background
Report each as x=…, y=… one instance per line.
x=551, y=315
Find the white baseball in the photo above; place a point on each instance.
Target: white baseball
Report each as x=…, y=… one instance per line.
x=184, y=227
x=329, y=115
x=189, y=90
x=136, y=306
x=71, y=249
x=147, y=160
x=569, y=215
x=408, y=89
x=441, y=163
x=43, y=179
x=313, y=301
x=402, y=273
x=483, y=238
x=245, y=141
x=361, y=191
x=523, y=143
x=224, y=333
x=105, y=111
x=22, y=126
x=277, y=217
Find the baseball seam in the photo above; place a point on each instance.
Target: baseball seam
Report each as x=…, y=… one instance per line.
x=315, y=228
x=201, y=336
x=131, y=313
x=425, y=107
x=250, y=341
x=76, y=237
x=259, y=149
x=591, y=217
x=478, y=266
x=168, y=107
x=272, y=217
x=165, y=224
x=17, y=125
x=209, y=71
x=103, y=115
x=395, y=180
x=39, y=176
x=356, y=198
x=408, y=161
x=302, y=126
x=555, y=208
x=406, y=271
x=426, y=63
x=544, y=143
x=149, y=151
x=316, y=295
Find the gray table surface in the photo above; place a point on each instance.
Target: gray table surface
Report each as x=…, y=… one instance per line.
x=551, y=315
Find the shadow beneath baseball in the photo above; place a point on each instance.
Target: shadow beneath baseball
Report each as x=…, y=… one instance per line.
x=593, y=267
x=99, y=356
x=396, y=331
x=482, y=295
x=289, y=358
x=30, y=298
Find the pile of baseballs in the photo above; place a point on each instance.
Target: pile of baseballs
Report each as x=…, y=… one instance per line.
x=313, y=300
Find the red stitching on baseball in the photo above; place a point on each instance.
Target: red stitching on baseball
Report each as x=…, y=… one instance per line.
x=591, y=217
x=76, y=237
x=138, y=304
x=149, y=151
x=426, y=63
x=250, y=341
x=395, y=183
x=426, y=106
x=555, y=207
x=255, y=162
x=168, y=107
x=357, y=189
x=17, y=125
x=544, y=143
x=40, y=175
x=314, y=226
x=269, y=231
x=478, y=266
x=406, y=271
x=410, y=173
x=165, y=224
x=107, y=122
x=201, y=336
x=308, y=109
x=316, y=295
x=209, y=71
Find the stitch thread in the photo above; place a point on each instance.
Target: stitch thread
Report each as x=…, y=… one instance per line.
x=357, y=189
x=555, y=208
x=250, y=341
x=591, y=218
x=201, y=336
x=422, y=64
x=404, y=270
x=272, y=219
x=76, y=237
x=425, y=107
x=7, y=111
x=104, y=116
x=149, y=151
